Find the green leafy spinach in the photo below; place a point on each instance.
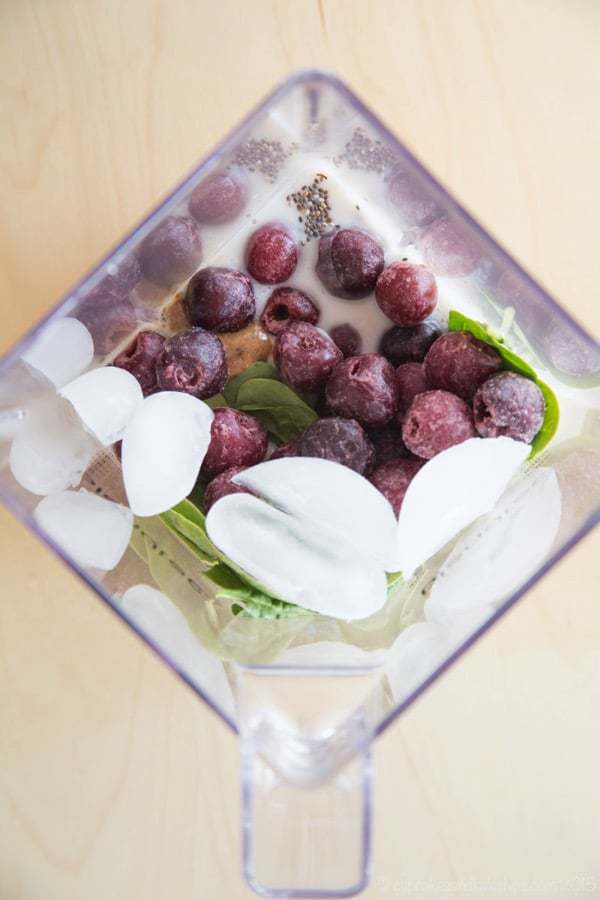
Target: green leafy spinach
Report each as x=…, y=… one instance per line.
x=216, y=401
x=256, y=370
x=258, y=390
x=250, y=598
x=187, y=521
x=248, y=601
x=458, y=322
x=283, y=413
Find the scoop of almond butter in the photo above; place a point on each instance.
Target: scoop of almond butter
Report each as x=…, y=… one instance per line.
x=244, y=347
x=175, y=316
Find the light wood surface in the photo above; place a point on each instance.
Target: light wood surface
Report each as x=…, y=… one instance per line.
x=115, y=781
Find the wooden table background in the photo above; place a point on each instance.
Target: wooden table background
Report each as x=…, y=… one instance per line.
x=115, y=781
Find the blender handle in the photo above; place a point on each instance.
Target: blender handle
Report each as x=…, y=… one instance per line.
x=306, y=800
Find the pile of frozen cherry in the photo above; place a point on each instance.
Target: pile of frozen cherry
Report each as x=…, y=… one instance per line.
x=382, y=414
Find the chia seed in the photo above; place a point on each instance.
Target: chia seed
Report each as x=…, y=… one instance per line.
x=362, y=152
x=266, y=157
x=312, y=203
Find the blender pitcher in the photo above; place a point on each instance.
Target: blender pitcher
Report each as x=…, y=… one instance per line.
x=306, y=693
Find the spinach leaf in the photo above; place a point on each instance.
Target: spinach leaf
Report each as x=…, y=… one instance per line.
x=260, y=606
x=256, y=370
x=187, y=521
x=258, y=390
x=458, y=322
x=249, y=601
x=283, y=413
x=188, y=524
x=216, y=401
x=393, y=580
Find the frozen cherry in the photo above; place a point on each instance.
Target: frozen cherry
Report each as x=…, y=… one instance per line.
x=108, y=312
x=459, y=362
x=401, y=345
x=140, y=357
x=512, y=290
x=339, y=440
x=287, y=305
x=236, y=439
x=347, y=338
x=222, y=485
x=388, y=444
x=406, y=292
x=285, y=450
x=320, y=404
x=364, y=388
x=220, y=299
x=349, y=263
x=122, y=277
x=305, y=357
x=415, y=205
x=569, y=351
x=393, y=478
x=192, y=361
x=170, y=253
x=217, y=199
x=509, y=404
x=108, y=318
x=411, y=380
x=435, y=421
x=449, y=249
x=271, y=254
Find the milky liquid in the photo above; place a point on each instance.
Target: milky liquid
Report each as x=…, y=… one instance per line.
x=358, y=200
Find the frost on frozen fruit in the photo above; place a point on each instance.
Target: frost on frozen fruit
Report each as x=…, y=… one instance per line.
x=220, y=299
x=305, y=356
x=338, y=440
x=363, y=388
x=349, y=263
x=192, y=361
x=140, y=357
x=287, y=305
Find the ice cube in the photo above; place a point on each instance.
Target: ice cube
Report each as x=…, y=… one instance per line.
x=163, y=448
x=10, y=423
x=295, y=560
x=415, y=653
x=498, y=554
x=161, y=621
x=62, y=351
x=94, y=531
x=577, y=466
x=330, y=496
x=51, y=450
x=452, y=490
x=105, y=400
x=419, y=650
x=21, y=387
